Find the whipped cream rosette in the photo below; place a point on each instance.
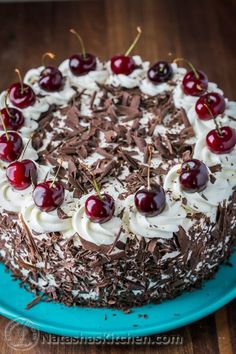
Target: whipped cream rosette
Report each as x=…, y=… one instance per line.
x=205, y=201
x=161, y=226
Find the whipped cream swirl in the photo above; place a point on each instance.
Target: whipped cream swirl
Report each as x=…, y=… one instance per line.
x=160, y=226
x=205, y=201
x=227, y=161
x=30, y=125
x=60, y=97
x=31, y=112
x=202, y=127
x=99, y=234
x=128, y=81
x=12, y=199
x=87, y=81
x=186, y=101
x=43, y=222
x=151, y=89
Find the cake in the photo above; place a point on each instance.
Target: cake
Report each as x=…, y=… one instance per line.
x=157, y=142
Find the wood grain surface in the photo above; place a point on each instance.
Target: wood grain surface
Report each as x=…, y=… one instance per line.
x=202, y=31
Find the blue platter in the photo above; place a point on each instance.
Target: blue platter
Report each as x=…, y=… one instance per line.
x=109, y=324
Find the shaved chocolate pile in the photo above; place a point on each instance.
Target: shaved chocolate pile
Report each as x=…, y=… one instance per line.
x=119, y=119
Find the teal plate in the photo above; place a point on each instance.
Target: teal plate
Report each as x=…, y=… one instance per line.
x=110, y=324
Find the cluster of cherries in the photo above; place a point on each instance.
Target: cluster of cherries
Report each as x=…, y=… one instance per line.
x=149, y=201
x=209, y=105
x=220, y=140
x=50, y=194
x=195, y=83
x=47, y=195
x=193, y=178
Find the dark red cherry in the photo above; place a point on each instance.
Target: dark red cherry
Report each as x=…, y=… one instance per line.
x=223, y=141
x=11, y=146
x=195, y=86
x=20, y=173
x=12, y=118
x=150, y=202
x=122, y=64
x=160, y=72
x=100, y=209
x=50, y=79
x=210, y=105
x=48, y=195
x=81, y=64
x=21, y=96
x=194, y=176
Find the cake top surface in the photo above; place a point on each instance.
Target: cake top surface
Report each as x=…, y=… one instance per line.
x=125, y=133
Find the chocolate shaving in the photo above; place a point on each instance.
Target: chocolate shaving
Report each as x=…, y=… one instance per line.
x=184, y=117
x=33, y=247
x=127, y=157
x=104, y=153
x=212, y=178
x=215, y=168
x=115, y=242
x=33, y=176
x=34, y=302
x=61, y=214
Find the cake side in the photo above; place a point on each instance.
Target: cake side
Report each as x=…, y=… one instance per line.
x=146, y=271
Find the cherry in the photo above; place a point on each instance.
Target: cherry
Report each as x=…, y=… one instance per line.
x=125, y=64
x=11, y=146
x=121, y=64
x=195, y=85
x=150, y=202
x=221, y=140
x=48, y=195
x=194, y=176
x=81, y=64
x=50, y=79
x=19, y=173
x=160, y=72
x=12, y=117
x=100, y=208
x=20, y=94
x=195, y=82
x=215, y=103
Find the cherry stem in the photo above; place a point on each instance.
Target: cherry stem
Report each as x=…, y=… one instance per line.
x=21, y=81
x=24, y=150
x=55, y=177
x=96, y=187
x=4, y=127
x=73, y=31
x=93, y=182
x=189, y=64
x=217, y=125
x=6, y=105
x=149, y=166
x=134, y=42
x=47, y=55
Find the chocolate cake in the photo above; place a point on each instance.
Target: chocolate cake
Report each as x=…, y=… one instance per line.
x=158, y=145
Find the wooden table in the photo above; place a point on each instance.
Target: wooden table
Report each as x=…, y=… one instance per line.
x=201, y=31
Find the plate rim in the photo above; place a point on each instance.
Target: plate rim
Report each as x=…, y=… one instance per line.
x=135, y=332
